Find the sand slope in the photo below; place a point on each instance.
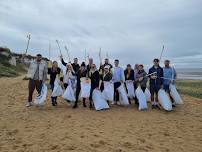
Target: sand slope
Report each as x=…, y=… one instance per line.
x=117, y=130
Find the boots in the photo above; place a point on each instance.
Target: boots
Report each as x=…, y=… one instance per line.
x=84, y=103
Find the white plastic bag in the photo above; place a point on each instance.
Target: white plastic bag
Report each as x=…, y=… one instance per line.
x=108, y=92
x=130, y=88
x=69, y=94
x=147, y=94
x=99, y=102
x=141, y=98
x=175, y=95
x=57, y=90
x=164, y=100
x=123, y=95
x=85, y=90
x=39, y=100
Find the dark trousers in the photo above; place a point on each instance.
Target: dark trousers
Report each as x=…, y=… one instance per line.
x=78, y=90
x=167, y=89
x=53, y=98
x=143, y=89
x=116, y=92
x=34, y=84
x=135, y=98
x=65, y=85
x=154, y=91
x=91, y=93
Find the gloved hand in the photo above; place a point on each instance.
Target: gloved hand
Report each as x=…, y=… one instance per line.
x=140, y=79
x=153, y=77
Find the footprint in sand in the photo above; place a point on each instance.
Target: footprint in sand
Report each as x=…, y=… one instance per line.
x=128, y=144
x=142, y=140
x=53, y=147
x=166, y=134
x=71, y=147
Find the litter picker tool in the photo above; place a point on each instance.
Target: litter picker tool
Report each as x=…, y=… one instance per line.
x=28, y=37
x=68, y=53
x=161, y=53
x=49, y=50
x=59, y=47
x=85, y=55
x=100, y=56
x=107, y=55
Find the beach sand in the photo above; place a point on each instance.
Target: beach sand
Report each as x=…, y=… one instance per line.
x=120, y=129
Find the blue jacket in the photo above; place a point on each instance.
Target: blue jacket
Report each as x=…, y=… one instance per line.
x=158, y=82
x=170, y=73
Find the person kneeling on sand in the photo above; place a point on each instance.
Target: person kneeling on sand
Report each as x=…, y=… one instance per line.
x=37, y=75
x=156, y=82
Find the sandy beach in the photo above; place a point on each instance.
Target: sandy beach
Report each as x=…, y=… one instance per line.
x=120, y=129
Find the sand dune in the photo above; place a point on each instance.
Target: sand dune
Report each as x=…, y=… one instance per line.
x=116, y=130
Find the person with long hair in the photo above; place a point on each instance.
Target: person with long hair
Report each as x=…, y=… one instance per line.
x=95, y=80
x=105, y=77
x=54, y=71
x=129, y=76
x=69, y=76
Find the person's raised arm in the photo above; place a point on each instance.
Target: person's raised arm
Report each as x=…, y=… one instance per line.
x=63, y=62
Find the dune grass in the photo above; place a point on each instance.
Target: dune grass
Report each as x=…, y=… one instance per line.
x=11, y=71
x=190, y=87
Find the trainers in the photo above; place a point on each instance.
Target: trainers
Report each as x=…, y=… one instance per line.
x=28, y=104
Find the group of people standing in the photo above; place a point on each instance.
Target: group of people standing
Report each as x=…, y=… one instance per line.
x=74, y=74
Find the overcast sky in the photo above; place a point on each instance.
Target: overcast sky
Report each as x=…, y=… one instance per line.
x=130, y=30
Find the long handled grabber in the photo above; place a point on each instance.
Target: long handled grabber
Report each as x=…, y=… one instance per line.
x=59, y=47
x=68, y=53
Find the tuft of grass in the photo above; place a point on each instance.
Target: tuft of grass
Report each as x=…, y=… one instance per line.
x=190, y=87
x=11, y=71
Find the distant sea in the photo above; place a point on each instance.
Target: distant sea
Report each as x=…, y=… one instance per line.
x=189, y=73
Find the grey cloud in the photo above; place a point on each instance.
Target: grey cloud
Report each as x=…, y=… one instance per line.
x=133, y=31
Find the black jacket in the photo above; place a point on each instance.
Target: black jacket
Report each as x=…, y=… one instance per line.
x=80, y=74
x=53, y=74
x=159, y=80
x=95, y=79
x=130, y=76
x=101, y=69
x=76, y=67
x=107, y=77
